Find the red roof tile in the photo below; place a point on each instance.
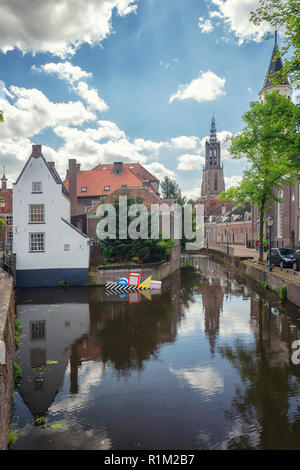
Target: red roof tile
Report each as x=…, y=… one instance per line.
x=103, y=176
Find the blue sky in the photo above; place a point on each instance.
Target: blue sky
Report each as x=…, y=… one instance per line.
x=131, y=80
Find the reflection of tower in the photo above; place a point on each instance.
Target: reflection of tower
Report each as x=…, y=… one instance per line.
x=213, y=177
x=74, y=363
x=212, y=300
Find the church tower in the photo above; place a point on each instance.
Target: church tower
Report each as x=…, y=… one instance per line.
x=213, y=177
x=275, y=67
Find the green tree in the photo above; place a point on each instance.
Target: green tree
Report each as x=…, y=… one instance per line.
x=271, y=145
x=124, y=250
x=171, y=190
x=284, y=14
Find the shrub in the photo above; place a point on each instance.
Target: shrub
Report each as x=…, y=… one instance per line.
x=283, y=292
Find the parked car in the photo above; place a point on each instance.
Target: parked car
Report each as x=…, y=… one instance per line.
x=296, y=260
x=282, y=257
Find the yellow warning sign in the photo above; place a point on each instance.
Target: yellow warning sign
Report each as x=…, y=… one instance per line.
x=146, y=293
x=146, y=282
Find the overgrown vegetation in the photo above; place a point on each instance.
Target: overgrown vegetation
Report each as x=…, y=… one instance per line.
x=283, y=293
x=141, y=250
x=17, y=374
x=18, y=330
x=11, y=437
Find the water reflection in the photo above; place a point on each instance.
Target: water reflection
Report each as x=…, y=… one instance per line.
x=205, y=364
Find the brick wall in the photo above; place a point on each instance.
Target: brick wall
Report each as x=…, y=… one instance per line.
x=7, y=334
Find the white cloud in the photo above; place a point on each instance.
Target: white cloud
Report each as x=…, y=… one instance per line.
x=159, y=170
x=184, y=142
x=205, y=379
x=70, y=73
x=205, y=25
x=192, y=193
x=190, y=162
x=58, y=27
x=32, y=112
x=90, y=95
x=236, y=15
x=232, y=181
x=64, y=70
x=207, y=87
x=148, y=146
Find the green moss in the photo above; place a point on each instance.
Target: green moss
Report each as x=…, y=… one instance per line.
x=17, y=374
x=18, y=329
x=283, y=292
x=11, y=437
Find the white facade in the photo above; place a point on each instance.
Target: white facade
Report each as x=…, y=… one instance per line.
x=63, y=253
x=284, y=90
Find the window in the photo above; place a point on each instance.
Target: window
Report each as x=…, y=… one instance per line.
x=242, y=235
x=9, y=237
x=37, y=242
x=36, y=213
x=106, y=188
x=84, y=189
x=38, y=356
x=237, y=234
x=67, y=247
x=37, y=330
x=9, y=220
x=36, y=187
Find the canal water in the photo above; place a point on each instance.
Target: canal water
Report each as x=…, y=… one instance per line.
x=205, y=364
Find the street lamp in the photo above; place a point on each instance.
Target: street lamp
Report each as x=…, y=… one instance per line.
x=270, y=223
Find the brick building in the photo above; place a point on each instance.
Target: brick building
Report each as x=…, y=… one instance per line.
x=87, y=188
x=104, y=183
x=6, y=231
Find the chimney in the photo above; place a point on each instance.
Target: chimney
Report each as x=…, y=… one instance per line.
x=77, y=167
x=52, y=164
x=118, y=168
x=36, y=151
x=72, y=173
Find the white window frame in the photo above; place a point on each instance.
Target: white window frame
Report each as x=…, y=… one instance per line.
x=31, y=242
x=42, y=213
x=34, y=190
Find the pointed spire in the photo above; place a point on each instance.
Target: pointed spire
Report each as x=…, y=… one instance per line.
x=3, y=177
x=213, y=130
x=275, y=66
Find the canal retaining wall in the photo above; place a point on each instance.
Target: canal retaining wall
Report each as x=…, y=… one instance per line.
x=259, y=273
x=159, y=271
x=7, y=355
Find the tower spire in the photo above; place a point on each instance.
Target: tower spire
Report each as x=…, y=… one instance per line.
x=275, y=67
x=4, y=180
x=213, y=130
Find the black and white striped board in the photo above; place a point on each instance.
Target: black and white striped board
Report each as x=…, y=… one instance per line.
x=114, y=286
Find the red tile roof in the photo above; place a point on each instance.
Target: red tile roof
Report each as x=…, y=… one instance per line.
x=103, y=175
x=7, y=197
